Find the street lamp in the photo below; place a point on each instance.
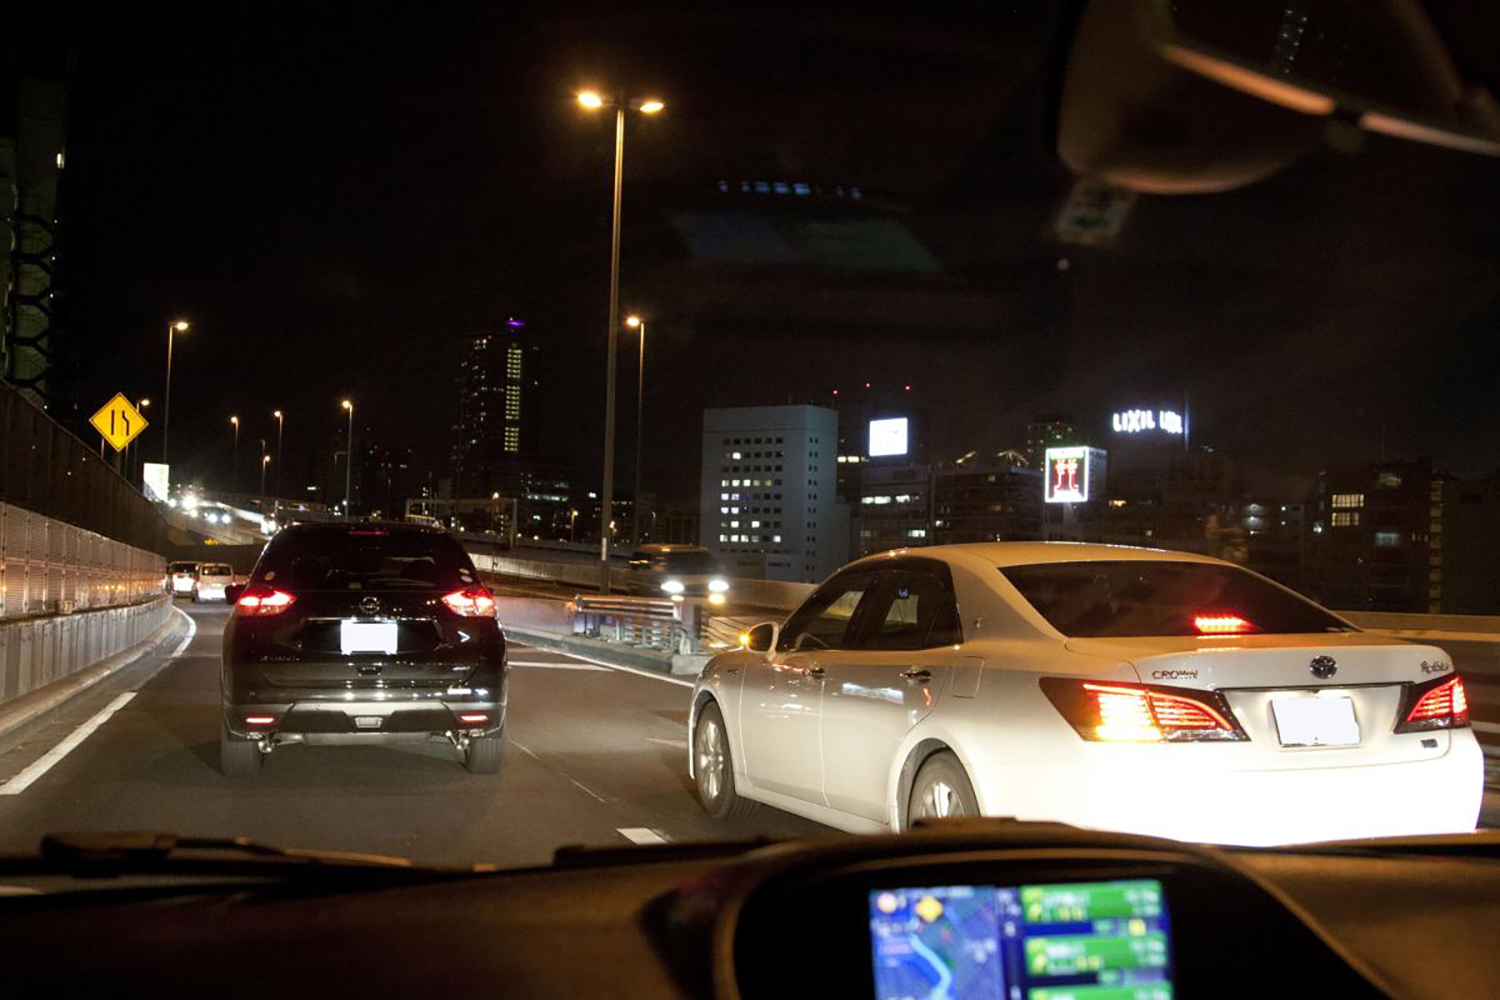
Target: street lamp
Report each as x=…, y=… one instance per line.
x=234, y=461
x=265, y=460
x=132, y=450
x=349, y=458
x=173, y=328
x=639, y=325
x=280, y=429
x=646, y=106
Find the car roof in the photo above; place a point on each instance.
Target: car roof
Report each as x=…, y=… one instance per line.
x=1002, y=554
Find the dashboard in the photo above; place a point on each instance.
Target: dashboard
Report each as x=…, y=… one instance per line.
x=960, y=911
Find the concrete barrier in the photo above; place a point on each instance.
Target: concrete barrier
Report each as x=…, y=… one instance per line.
x=45, y=661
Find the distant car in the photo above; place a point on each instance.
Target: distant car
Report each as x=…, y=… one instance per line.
x=213, y=578
x=182, y=577
x=1124, y=689
x=676, y=570
x=360, y=632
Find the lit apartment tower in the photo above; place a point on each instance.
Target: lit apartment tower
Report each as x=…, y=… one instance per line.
x=494, y=433
x=768, y=495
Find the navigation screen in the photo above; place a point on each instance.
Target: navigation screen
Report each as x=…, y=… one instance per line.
x=1075, y=941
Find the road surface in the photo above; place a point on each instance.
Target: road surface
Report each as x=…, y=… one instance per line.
x=596, y=756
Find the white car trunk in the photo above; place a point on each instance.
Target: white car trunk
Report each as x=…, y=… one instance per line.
x=1268, y=682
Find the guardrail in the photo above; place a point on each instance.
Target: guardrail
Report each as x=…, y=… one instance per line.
x=37, y=652
x=48, y=566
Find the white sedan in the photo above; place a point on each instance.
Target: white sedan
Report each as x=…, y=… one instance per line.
x=1115, y=688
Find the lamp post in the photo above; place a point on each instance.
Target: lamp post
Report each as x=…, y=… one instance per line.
x=265, y=460
x=133, y=450
x=280, y=461
x=349, y=458
x=646, y=106
x=173, y=328
x=639, y=325
x=234, y=460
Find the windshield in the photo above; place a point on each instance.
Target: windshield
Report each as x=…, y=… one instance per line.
x=1137, y=598
x=457, y=431
x=334, y=557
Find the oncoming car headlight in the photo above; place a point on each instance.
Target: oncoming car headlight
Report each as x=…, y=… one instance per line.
x=673, y=587
x=718, y=586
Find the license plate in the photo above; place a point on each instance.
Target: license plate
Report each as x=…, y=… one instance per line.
x=368, y=637
x=1316, y=722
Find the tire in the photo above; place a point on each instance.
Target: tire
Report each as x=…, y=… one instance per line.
x=238, y=758
x=941, y=790
x=713, y=767
x=485, y=754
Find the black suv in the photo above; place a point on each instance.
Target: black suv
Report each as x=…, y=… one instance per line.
x=362, y=632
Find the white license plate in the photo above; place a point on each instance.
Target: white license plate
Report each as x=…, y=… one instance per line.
x=368, y=637
x=1316, y=722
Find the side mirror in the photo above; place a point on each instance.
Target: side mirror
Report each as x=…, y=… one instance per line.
x=232, y=592
x=762, y=638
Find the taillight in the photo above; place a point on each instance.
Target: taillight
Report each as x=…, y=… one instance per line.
x=1439, y=704
x=260, y=720
x=1220, y=624
x=471, y=602
x=473, y=718
x=1114, y=712
x=259, y=599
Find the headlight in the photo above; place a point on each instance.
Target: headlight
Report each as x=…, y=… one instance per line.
x=673, y=587
x=716, y=598
x=718, y=586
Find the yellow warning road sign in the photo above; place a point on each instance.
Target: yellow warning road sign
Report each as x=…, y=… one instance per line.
x=119, y=422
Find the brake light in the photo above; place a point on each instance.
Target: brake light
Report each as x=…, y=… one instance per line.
x=1221, y=624
x=471, y=602
x=1141, y=713
x=260, y=720
x=473, y=717
x=259, y=599
x=1440, y=704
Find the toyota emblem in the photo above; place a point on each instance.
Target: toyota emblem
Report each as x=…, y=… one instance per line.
x=371, y=605
x=1323, y=667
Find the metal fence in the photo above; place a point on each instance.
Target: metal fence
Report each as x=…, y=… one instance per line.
x=46, y=470
x=48, y=566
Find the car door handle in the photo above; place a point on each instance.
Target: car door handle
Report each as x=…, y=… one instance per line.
x=919, y=674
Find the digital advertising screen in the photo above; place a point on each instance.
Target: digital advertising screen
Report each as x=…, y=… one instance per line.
x=889, y=437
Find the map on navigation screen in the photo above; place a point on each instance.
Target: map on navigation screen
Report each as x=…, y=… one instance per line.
x=1077, y=941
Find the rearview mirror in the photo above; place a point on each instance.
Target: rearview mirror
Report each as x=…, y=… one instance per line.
x=233, y=591
x=1191, y=96
x=762, y=638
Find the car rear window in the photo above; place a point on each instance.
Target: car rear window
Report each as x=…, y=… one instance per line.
x=182, y=567
x=338, y=557
x=217, y=569
x=690, y=563
x=1149, y=598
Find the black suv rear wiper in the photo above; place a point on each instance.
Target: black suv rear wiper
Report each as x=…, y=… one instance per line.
x=111, y=854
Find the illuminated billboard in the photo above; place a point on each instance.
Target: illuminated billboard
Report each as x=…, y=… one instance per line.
x=1074, y=475
x=156, y=480
x=888, y=437
x=1146, y=421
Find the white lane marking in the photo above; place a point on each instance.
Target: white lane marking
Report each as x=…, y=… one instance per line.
x=557, y=665
x=192, y=626
x=50, y=759
x=674, y=744
x=634, y=670
x=585, y=788
x=641, y=835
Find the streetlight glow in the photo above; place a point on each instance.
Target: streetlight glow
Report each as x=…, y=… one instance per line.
x=651, y=107
x=347, y=405
x=181, y=326
x=632, y=321
x=276, y=414
x=590, y=100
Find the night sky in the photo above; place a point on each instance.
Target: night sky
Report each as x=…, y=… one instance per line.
x=334, y=195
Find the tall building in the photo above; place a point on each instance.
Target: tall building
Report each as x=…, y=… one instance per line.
x=768, y=491
x=1054, y=430
x=1379, y=538
x=1469, y=578
x=985, y=503
x=494, y=434
x=894, y=508
x=882, y=456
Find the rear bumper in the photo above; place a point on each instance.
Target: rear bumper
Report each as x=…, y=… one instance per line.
x=365, y=716
x=211, y=592
x=1258, y=808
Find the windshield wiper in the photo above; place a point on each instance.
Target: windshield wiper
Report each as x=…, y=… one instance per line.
x=112, y=854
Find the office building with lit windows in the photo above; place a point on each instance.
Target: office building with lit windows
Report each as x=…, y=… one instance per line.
x=494, y=431
x=768, y=492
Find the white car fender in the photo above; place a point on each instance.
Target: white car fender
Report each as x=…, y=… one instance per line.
x=724, y=688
